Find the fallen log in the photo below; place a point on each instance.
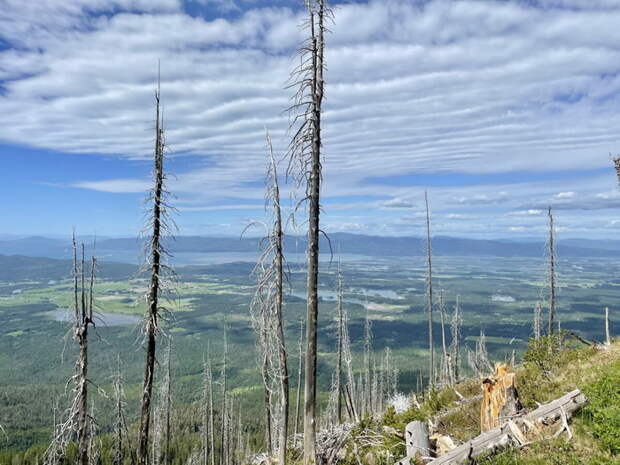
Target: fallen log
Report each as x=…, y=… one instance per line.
x=514, y=432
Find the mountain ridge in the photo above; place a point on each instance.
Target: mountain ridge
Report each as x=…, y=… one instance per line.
x=345, y=243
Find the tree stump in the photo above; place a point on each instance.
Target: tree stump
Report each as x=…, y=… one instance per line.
x=500, y=398
x=416, y=439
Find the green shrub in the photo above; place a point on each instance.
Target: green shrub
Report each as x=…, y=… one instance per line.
x=544, y=352
x=557, y=452
x=603, y=409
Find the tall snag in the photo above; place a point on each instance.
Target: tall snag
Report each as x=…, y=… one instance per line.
x=262, y=326
x=445, y=376
x=349, y=391
x=455, y=344
x=77, y=422
x=537, y=328
x=267, y=315
x=121, y=432
x=158, y=228
x=83, y=319
x=478, y=360
x=305, y=164
x=225, y=449
x=368, y=374
x=300, y=350
x=429, y=295
x=338, y=386
x=208, y=438
x=167, y=403
x=607, y=333
x=551, y=252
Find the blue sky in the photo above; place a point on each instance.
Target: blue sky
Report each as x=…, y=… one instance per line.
x=498, y=108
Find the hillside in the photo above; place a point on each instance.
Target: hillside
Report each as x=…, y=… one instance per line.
x=545, y=375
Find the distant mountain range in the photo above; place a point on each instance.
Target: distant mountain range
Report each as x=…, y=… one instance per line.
x=343, y=243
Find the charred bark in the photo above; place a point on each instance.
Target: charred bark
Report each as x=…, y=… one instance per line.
x=152, y=318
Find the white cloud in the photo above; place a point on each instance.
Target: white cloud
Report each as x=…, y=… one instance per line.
x=483, y=199
x=565, y=195
x=116, y=186
x=398, y=203
x=530, y=212
x=412, y=88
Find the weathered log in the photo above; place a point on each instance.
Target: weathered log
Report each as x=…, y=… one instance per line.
x=512, y=432
x=442, y=444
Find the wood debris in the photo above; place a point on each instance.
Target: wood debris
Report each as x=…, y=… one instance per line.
x=519, y=431
x=500, y=399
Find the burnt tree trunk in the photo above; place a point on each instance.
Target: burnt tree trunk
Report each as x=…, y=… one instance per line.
x=283, y=365
x=314, y=190
x=154, y=290
x=168, y=403
x=83, y=318
x=81, y=334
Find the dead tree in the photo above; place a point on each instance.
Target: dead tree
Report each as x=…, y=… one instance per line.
x=479, y=359
x=208, y=439
x=537, y=324
x=338, y=387
x=83, y=319
x=167, y=398
x=552, y=276
x=118, y=455
x=278, y=309
x=429, y=294
x=607, y=333
x=455, y=344
x=305, y=163
x=204, y=404
x=445, y=356
x=391, y=374
x=158, y=228
x=350, y=388
x=121, y=430
x=366, y=385
x=299, y=373
x=268, y=310
x=94, y=443
x=375, y=395
x=224, y=457
x=77, y=422
x=262, y=325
